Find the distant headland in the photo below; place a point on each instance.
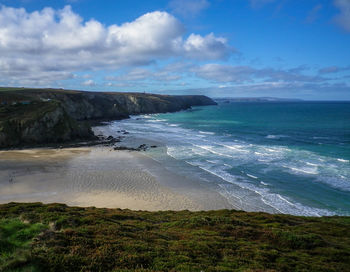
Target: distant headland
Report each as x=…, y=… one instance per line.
x=42, y=116
x=256, y=99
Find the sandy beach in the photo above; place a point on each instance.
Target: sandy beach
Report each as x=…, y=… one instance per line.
x=100, y=177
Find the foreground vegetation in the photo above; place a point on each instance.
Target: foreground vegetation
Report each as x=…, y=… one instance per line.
x=54, y=237
x=15, y=242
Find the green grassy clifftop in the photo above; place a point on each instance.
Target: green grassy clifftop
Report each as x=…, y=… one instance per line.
x=54, y=237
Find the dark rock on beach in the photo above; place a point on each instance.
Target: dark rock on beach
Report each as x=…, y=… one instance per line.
x=142, y=147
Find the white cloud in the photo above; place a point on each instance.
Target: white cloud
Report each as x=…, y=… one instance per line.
x=86, y=76
x=343, y=18
x=176, y=67
x=276, y=89
x=208, y=47
x=89, y=82
x=118, y=85
x=165, y=76
x=133, y=75
x=188, y=8
x=241, y=74
x=333, y=69
x=224, y=73
x=153, y=34
x=140, y=74
x=49, y=43
x=329, y=69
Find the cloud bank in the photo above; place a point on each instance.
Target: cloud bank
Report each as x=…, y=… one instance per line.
x=247, y=74
x=49, y=45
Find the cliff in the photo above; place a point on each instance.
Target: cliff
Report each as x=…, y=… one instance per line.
x=39, y=123
x=97, y=105
x=36, y=116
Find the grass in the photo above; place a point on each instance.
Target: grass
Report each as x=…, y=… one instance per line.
x=15, y=241
x=91, y=239
x=32, y=111
x=9, y=89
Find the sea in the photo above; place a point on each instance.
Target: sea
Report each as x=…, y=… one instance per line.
x=283, y=157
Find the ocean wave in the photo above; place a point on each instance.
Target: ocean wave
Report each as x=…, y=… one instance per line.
x=305, y=170
x=206, y=132
x=280, y=203
x=342, y=160
x=271, y=136
x=251, y=176
x=236, y=148
x=220, y=154
x=312, y=164
x=156, y=120
x=342, y=183
x=210, y=149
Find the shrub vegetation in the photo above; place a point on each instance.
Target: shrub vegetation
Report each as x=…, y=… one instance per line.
x=55, y=237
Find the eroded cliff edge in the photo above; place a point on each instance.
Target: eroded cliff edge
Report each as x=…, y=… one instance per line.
x=41, y=116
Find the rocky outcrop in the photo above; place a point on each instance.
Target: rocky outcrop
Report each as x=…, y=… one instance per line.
x=40, y=124
x=53, y=116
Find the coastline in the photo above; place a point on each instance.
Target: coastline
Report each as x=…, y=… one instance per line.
x=189, y=178
x=34, y=117
x=102, y=177
x=115, y=172
x=142, y=201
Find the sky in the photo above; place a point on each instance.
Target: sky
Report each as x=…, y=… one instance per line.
x=221, y=48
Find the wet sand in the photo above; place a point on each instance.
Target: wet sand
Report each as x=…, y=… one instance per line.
x=100, y=177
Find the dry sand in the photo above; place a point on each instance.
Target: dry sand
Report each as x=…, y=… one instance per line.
x=100, y=177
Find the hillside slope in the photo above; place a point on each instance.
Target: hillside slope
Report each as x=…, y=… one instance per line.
x=89, y=239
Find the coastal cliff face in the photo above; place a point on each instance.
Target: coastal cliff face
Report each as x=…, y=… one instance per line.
x=39, y=123
x=39, y=116
x=86, y=105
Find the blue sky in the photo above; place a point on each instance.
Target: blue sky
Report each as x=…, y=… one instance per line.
x=238, y=48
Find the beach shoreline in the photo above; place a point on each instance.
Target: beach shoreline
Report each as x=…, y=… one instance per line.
x=102, y=177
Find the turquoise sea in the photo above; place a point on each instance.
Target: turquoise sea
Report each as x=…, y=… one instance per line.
x=291, y=156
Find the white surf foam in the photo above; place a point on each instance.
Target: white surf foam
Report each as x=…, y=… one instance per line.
x=251, y=176
x=271, y=136
x=206, y=132
x=211, y=152
x=342, y=160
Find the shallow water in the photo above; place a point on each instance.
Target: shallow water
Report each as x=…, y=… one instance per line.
x=293, y=157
